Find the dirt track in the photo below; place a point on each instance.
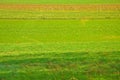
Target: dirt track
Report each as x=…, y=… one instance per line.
x=103, y=7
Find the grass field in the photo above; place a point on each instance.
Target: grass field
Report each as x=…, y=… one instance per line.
x=61, y=1
x=75, y=43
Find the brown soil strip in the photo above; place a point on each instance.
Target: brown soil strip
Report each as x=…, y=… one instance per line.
x=92, y=7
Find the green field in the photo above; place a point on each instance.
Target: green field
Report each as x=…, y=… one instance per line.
x=45, y=31
x=59, y=45
x=61, y=1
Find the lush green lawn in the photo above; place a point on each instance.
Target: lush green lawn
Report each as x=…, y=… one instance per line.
x=59, y=49
x=38, y=48
x=17, y=65
x=61, y=1
x=22, y=31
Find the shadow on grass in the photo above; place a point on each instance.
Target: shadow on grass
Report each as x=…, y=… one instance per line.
x=42, y=58
x=65, y=75
x=58, y=57
x=61, y=66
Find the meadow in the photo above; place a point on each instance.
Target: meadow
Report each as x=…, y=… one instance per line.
x=61, y=1
x=59, y=44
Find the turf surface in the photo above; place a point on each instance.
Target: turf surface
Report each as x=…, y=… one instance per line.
x=81, y=47
x=61, y=1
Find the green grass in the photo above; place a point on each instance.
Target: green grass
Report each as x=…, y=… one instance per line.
x=59, y=49
x=39, y=31
x=38, y=48
x=58, y=66
x=59, y=14
x=61, y=1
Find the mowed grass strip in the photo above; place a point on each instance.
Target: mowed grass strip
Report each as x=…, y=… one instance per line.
x=63, y=7
x=59, y=12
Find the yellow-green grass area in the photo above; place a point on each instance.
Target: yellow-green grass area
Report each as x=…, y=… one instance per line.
x=59, y=45
x=61, y=1
x=59, y=49
x=76, y=15
x=45, y=31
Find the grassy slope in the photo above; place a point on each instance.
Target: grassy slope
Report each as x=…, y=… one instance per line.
x=60, y=1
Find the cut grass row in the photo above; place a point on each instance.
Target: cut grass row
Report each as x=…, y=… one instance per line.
x=59, y=12
x=43, y=15
x=65, y=7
